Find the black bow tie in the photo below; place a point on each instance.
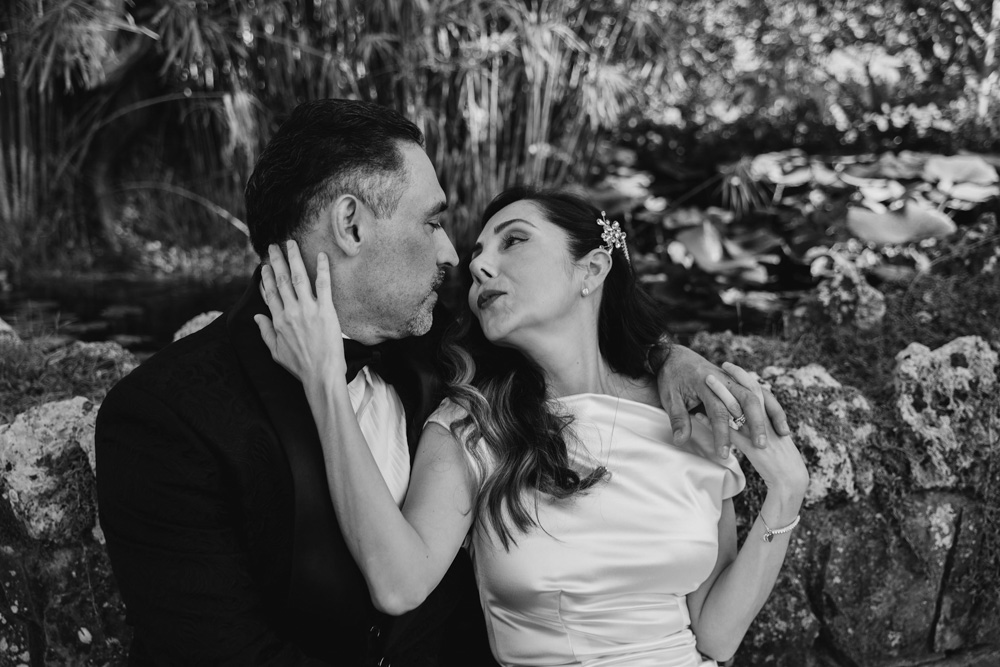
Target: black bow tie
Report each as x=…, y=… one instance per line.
x=358, y=356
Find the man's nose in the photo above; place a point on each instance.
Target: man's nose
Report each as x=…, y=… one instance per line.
x=447, y=256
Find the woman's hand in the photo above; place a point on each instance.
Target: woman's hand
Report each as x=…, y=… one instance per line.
x=778, y=462
x=303, y=332
x=682, y=384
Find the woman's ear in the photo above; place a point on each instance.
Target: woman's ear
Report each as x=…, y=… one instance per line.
x=597, y=265
x=347, y=219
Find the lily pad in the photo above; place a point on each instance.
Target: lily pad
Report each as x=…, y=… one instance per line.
x=704, y=243
x=960, y=169
x=973, y=192
x=914, y=223
x=882, y=193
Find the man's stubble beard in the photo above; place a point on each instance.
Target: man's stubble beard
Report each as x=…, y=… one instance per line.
x=423, y=319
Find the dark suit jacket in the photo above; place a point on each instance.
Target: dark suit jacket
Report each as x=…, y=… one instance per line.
x=219, y=524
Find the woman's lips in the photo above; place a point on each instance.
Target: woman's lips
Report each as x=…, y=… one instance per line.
x=487, y=297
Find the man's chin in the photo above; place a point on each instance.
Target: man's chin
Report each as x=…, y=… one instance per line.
x=422, y=322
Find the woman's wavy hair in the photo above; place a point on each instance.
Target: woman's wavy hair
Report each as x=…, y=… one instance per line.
x=504, y=393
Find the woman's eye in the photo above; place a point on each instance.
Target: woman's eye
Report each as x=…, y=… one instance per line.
x=511, y=239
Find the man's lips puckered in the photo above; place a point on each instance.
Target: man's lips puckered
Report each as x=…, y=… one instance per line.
x=487, y=297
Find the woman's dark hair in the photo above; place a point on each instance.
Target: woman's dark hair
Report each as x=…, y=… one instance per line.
x=504, y=393
x=326, y=148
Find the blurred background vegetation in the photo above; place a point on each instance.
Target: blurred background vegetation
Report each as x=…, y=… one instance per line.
x=737, y=140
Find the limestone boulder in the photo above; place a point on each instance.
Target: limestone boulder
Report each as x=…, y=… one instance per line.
x=47, y=469
x=873, y=595
x=196, y=323
x=786, y=629
x=7, y=334
x=848, y=298
x=947, y=400
x=749, y=352
x=969, y=607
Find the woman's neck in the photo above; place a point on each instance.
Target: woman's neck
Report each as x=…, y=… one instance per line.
x=573, y=364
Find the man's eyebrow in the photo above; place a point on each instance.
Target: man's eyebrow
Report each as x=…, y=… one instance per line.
x=478, y=248
x=437, y=209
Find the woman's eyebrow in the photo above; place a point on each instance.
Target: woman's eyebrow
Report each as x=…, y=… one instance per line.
x=478, y=248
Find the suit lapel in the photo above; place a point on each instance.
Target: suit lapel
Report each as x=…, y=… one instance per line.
x=324, y=580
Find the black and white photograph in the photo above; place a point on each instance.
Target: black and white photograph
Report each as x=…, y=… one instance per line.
x=519, y=333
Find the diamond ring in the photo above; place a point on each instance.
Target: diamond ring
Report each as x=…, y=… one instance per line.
x=736, y=422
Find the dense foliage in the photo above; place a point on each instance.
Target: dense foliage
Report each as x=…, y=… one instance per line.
x=124, y=121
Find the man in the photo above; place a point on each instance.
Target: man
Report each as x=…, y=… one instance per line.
x=211, y=485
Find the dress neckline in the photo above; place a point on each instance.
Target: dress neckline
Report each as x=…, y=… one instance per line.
x=610, y=399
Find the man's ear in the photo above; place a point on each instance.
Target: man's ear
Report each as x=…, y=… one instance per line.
x=347, y=221
x=596, y=265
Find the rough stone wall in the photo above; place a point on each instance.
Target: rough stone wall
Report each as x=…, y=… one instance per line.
x=895, y=562
x=58, y=601
x=890, y=566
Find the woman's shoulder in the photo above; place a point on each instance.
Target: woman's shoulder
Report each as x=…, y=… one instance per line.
x=447, y=412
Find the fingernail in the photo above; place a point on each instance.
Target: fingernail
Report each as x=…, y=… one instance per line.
x=725, y=452
x=762, y=441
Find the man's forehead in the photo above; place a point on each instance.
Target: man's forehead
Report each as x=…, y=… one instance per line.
x=423, y=183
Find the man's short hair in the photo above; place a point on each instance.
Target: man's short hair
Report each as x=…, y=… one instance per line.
x=325, y=149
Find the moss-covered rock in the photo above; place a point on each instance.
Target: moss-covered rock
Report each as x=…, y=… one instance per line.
x=947, y=398
x=46, y=469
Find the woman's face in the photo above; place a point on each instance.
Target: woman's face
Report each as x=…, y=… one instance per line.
x=525, y=283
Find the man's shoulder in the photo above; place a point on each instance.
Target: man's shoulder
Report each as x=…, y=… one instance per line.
x=202, y=361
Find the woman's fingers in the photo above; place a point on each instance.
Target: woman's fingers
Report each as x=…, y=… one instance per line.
x=297, y=271
x=736, y=439
x=742, y=377
x=726, y=396
x=776, y=413
x=324, y=292
x=747, y=393
x=269, y=290
x=282, y=278
x=748, y=412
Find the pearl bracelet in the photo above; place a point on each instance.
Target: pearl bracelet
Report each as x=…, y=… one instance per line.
x=769, y=533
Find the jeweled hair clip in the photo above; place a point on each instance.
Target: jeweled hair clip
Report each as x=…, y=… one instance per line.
x=613, y=235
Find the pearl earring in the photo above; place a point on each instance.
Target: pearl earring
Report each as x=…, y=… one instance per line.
x=585, y=291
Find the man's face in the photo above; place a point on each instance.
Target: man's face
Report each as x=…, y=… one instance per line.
x=409, y=253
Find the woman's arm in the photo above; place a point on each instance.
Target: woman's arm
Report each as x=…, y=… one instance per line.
x=402, y=554
x=725, y=605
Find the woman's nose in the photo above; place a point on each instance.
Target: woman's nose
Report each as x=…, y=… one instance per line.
x=479, y=269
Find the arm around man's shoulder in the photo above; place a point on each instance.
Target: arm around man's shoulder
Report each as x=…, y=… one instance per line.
x=169, y=516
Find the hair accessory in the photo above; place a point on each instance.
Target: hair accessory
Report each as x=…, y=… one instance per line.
x=769, y=533
x=585, y=291
x=613, y=236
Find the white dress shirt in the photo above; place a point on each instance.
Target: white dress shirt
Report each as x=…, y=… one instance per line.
x=383, y=423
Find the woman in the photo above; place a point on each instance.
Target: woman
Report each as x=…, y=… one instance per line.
x=595, y=540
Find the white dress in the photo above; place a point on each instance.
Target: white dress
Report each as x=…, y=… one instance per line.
x=603, y=581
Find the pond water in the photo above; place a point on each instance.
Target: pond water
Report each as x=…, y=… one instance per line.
x=141, y=313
